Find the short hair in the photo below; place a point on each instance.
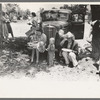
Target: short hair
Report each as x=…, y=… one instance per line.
x=3, y=13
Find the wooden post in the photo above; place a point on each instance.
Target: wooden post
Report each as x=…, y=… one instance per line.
x=1, y=27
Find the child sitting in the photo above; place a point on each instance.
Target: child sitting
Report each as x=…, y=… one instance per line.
x=41, y=46
x=51, y=51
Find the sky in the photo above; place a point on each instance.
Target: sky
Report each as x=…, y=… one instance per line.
x=34, y=7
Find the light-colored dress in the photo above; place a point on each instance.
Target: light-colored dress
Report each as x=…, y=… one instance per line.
x=4, y=28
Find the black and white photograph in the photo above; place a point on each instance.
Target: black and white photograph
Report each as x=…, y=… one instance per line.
x=49, y=42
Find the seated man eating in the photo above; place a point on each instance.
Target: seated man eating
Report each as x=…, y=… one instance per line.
x=69, y=49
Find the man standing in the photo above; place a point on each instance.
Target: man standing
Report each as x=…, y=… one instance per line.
x=8, y=25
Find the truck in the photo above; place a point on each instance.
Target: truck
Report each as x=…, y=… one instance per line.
x=55, y=19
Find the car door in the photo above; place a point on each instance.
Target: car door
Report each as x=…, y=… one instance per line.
x=95, y=11
x=77, y=25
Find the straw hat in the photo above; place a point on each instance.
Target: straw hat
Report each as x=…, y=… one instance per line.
x=69, y=35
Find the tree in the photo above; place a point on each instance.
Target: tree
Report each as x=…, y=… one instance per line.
x=78, y=9
x=75, y=8
x=14, y=10
x=65, y=6
x=11, y=9
x=26, y=13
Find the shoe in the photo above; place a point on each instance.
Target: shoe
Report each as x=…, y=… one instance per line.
x=98, y=72
x=78, y=66
x=67, y=65
x=31, y=63
x=97, y=62
x=37, y=62
x=47, y=70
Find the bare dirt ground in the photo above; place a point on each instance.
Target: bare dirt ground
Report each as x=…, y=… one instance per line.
x=18, y=66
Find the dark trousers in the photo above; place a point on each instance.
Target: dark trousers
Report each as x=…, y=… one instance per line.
x=10, y=29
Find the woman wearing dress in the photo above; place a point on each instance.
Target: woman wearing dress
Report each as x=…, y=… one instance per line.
x=4, y=27
x=9, y=26
x=34, y=24
x=38, y=41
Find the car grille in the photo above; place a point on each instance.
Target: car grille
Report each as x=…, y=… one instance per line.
x=50, y=31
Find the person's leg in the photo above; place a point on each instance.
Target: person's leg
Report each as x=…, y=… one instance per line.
x=51, y=58
x=37, y=56
x=10, y=29
x=98, y=70
x=12, y=34
x=33, y=53
x=65, y=55
x=72, y=57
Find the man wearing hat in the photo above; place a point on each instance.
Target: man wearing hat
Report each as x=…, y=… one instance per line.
x=69, y=49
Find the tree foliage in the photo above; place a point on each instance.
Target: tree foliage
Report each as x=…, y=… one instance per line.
x=75, y=8
x=11, y=8
x=14, y=10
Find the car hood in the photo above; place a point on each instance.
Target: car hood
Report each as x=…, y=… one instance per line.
x=55, y=23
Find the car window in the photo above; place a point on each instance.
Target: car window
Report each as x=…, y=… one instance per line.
x=49, y=16
x=63, y=16
x=77, y=17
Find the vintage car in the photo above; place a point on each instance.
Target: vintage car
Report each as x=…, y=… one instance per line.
x=55, y=19
x=77, y=25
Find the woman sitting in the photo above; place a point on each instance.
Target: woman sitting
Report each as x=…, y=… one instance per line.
x=37, y=44
x=69, y=49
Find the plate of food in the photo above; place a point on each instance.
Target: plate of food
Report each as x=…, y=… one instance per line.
x=66, y=50
x=32, y=45
x=41, y=46
x=35, y=42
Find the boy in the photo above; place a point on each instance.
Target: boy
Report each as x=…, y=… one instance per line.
x=51, y=51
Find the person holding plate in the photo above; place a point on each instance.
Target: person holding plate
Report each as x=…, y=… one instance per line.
x=37, y=44
x=69, y=49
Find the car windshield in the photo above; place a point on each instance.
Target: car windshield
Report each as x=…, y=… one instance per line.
x=77, y=18
x=49, y=16
x=63, y=16
x=54, y=16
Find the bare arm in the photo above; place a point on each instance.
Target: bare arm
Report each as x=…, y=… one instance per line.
x=91, y=29
x=62, y=42
x=48, y=47
x=90, y=33
x=76, y=49
x=4, y=19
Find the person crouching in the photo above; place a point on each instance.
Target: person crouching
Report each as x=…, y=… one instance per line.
x=69, y=49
